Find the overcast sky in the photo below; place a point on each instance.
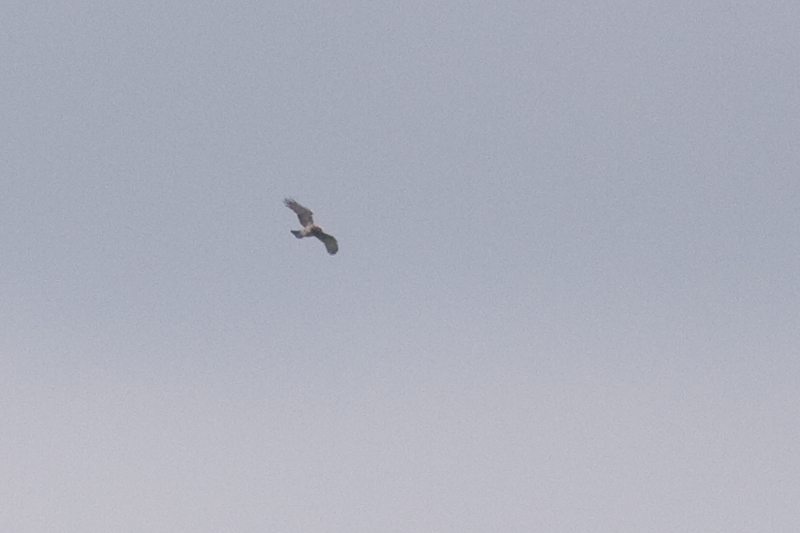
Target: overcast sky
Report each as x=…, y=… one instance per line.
x=567, y=295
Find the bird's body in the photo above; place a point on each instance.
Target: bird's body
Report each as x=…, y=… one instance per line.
x=309, y=228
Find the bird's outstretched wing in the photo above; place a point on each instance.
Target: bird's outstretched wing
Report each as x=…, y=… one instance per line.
x=303, y=213
x=330, y=242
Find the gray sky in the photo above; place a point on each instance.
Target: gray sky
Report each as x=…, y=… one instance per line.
x=567, y=296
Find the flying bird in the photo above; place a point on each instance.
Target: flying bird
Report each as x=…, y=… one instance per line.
x=309, y=228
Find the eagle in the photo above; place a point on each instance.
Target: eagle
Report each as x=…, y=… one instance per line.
x=309, y=228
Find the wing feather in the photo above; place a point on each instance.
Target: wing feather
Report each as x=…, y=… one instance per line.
x=330, y=242
x=303, y=213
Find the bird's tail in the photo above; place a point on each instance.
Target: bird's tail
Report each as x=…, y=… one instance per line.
x=296, y=234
